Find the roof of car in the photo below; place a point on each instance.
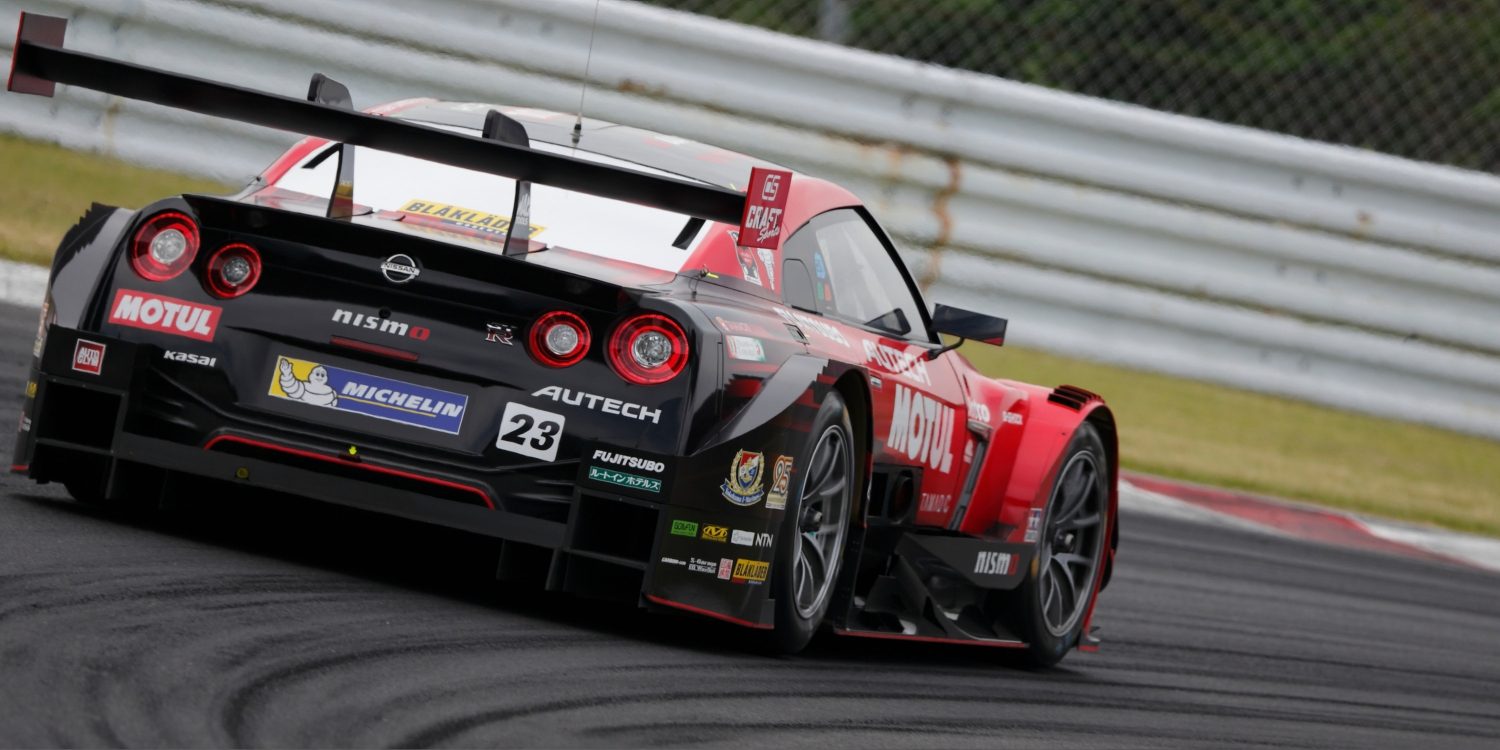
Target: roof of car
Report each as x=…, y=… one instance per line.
x=679, y=156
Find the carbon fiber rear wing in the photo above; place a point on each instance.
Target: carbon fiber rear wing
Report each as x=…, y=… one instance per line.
x=40, y=61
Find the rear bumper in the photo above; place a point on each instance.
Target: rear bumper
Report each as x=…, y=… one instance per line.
x=146, y=435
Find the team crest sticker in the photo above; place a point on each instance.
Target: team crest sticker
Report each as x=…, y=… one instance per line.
x=746, y=479
x=781, y=478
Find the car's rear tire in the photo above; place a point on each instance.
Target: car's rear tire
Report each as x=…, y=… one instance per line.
x=815, y=529
x=1048, y=609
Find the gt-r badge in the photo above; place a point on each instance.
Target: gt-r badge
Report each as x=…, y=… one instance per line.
x=496, y=333
x=400, y=268
x=746, y=479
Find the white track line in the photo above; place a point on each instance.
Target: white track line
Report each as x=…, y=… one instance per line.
x=22, y=284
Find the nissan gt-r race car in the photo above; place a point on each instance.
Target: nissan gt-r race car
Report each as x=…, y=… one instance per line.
x=652, y=369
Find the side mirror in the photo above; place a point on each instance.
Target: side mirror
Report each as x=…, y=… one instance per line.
x=969, y=325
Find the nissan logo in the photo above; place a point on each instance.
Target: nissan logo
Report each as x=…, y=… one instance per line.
x=399, y=269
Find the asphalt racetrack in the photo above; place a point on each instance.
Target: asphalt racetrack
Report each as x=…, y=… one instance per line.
x=270, y=622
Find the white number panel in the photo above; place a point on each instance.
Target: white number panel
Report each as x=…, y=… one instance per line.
x=530, y=432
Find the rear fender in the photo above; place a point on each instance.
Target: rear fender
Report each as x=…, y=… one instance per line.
x=1031, y=430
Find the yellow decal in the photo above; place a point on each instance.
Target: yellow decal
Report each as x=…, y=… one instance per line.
x=465, y=217
x=751, y=570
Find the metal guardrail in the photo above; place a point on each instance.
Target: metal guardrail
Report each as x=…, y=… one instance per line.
x=1103, y=230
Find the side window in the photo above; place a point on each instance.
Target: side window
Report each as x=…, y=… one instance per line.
x=852, y=276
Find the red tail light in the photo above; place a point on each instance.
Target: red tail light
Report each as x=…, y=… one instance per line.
x=164, y=246
x=648, y=349
x=558, y=339
x=233, y=270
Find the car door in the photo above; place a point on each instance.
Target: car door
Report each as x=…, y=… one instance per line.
x=841, y=274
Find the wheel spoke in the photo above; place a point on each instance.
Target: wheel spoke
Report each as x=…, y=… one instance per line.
x=1070, y=590
x=1070, y=558
x=1080, y=522
x=816, y=559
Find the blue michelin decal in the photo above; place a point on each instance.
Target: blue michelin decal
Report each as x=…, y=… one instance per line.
x=370, y=395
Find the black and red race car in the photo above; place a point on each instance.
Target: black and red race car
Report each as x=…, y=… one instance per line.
x=654, y=369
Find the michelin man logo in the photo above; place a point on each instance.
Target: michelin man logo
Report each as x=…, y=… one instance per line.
x=314, y=390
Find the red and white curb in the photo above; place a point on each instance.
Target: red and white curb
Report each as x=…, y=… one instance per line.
x=1190, y=502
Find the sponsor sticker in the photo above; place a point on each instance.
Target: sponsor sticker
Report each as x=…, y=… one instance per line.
x=380, y=324
x=1034, y=525
x=700, y=565
x=468, y=218
x=742, y=538
x=202, y=360
x=750, y=571
x=781, y=479
x=1010, y=417
x=824, y=328
x=599, y=403
x=768, y=259
x=747, y=265
x=628, y=461
x=908, y=363
x=154, y=312
x=992, y=563
x=922, y=429
x=765, y=206
x=935, y=502
x=979, y=410
x=88, y=357
x=672, y=561
x=622, y=479
x=715, y=533
x=745, y=348
x=536, y=433
x=726, y=568
x=684, y=528
x=371, y=395
x=31, y=389
x=746, y=480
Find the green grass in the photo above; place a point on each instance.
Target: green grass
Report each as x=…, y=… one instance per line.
x=1232, y=438
x=1168, y=426
x=44, y=189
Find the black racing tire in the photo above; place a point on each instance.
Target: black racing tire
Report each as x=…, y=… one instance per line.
x=85, y=484
x=803, y=582
x=1069, y=554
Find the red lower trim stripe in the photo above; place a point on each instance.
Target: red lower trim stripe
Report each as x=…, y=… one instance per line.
x=706, y=613
x=19, y=467
x=485, y=496
x=365, y=346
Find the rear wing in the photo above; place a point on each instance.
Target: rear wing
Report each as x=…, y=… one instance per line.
x=39, y=61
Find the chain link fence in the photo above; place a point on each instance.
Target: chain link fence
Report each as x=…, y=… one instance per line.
x=1414, y=78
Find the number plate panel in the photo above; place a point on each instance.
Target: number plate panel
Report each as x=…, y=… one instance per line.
x=530, y=432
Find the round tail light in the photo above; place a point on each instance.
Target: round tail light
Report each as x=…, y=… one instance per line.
x=233, y=270
x=559, y=339
x=648, y=349
x=164, y=246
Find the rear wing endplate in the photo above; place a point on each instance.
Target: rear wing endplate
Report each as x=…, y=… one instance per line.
x=40, y=61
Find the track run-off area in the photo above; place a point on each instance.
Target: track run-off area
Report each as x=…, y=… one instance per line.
x=269, y=622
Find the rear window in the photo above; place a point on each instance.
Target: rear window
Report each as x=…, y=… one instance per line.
x=476, y=204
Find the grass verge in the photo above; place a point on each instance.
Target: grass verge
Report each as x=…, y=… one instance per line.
x=1168, y=426
x=1241, y=440
x=44, y=189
